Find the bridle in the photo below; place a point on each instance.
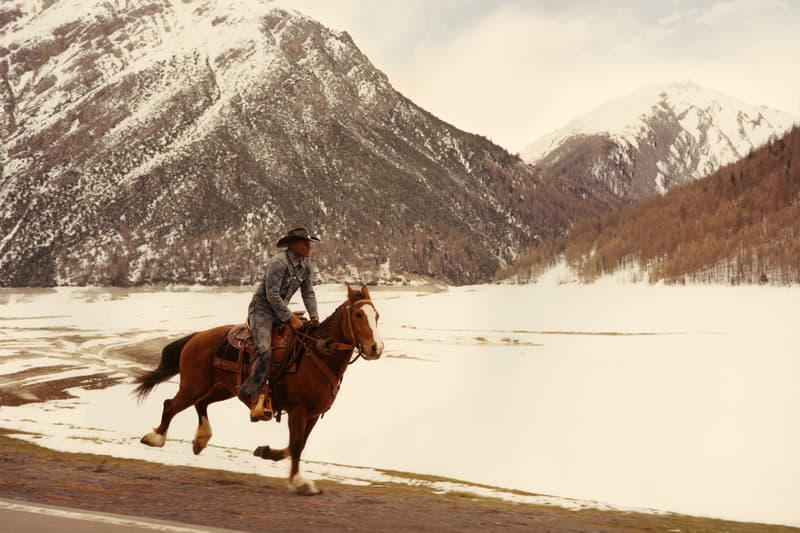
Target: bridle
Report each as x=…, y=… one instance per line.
x=351, y=308
x=328, y=346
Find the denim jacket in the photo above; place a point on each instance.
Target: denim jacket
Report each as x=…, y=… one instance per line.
x=286, y=272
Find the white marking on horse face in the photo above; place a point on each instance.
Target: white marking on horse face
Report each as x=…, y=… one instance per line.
x=372, y=320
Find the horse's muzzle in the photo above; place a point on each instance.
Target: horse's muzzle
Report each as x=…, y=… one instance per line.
x=372, y=351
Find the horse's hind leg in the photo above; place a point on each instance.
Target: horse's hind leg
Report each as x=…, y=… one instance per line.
x=265, y=452
x=181, y=401
x=203, y=433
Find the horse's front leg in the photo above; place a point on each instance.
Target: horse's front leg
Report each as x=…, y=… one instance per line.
x=300, y=427
x=299, y=483
x=266, y=452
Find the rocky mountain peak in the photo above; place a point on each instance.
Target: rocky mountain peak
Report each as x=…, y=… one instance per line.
x=658, y=136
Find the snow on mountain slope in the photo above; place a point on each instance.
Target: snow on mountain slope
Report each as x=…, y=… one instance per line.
x=146, y=141
x=658, y=136
x=114, y=39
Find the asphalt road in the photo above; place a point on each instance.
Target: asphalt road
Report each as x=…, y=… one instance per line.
x=23, y=517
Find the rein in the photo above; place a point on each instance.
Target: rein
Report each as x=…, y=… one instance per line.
x=327, y=346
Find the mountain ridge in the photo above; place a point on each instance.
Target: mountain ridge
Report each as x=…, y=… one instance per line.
x=656, y=137
x=129, y=163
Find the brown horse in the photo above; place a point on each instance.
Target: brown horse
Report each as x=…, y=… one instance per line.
x=304, y=395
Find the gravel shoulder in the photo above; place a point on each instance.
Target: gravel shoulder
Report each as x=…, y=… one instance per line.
x=247, y=502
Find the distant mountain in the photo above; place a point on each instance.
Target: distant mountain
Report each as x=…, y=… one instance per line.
x=175, y=140
x=657, y=137
x=739, y=225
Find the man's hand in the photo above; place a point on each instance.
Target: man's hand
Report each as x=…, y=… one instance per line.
x=295, y=323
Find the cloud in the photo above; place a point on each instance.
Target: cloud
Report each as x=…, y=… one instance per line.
x=516, y=74
x=516, y=70
x=740, y=12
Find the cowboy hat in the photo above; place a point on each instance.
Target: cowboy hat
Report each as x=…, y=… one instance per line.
x=295, y=235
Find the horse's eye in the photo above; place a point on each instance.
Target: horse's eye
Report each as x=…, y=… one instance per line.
x=359, y=315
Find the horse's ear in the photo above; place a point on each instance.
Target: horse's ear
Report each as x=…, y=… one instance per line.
x=350, y=291
x=365, y=292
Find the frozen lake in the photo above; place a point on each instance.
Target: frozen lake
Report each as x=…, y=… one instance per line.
x=674, y=398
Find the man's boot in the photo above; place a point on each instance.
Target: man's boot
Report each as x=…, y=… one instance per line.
x=261, y=407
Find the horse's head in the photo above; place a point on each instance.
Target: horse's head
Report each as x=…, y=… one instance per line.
x=363, y=319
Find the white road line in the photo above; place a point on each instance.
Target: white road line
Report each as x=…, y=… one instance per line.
x=103, y=518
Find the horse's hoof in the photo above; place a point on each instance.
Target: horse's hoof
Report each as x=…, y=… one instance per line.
x=308, y=491
x=197, y=447
x=304, y=487
x=154, y=439
x=262, y=451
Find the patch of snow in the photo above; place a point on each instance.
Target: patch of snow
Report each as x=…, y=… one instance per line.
x=690, y=122
x=366, y=91
x=336, y=47
x=43, y=22
x=661, y=181
x=10, y=235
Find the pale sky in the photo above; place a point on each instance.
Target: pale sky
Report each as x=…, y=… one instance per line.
x=514, y=70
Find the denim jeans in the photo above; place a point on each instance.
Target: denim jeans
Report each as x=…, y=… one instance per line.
x=261, y=326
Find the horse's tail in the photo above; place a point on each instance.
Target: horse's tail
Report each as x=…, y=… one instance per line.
x=168, y=367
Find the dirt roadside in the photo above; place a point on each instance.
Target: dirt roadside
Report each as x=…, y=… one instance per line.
x=254, y=503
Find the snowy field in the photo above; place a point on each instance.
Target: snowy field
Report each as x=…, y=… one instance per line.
x=679, y=399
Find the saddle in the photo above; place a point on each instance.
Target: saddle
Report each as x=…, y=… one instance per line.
x=239, y=359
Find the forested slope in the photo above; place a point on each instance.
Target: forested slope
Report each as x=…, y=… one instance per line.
x=739, y=225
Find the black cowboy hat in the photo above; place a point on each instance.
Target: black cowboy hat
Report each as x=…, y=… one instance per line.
x=296, y=234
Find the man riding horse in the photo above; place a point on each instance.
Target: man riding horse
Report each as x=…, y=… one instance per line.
x=285, y=273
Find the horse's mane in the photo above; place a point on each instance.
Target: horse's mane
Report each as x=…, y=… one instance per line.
x=324, y=327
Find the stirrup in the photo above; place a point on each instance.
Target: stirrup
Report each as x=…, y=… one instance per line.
x=261, y=408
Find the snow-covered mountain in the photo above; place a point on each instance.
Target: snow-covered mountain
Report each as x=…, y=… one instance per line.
x=659, y=136
x=175, y=140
